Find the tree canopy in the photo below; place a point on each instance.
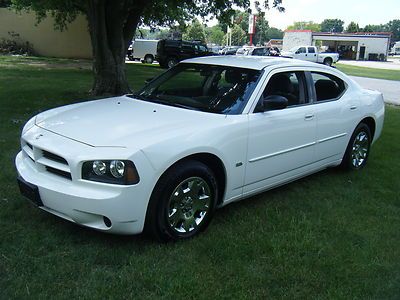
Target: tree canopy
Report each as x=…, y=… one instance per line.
x=112, y=25
x=305, y=25
x=332, y=25
x=352, y=27
x=195, y=31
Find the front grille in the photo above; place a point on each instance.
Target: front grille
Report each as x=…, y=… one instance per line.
x=46, y=161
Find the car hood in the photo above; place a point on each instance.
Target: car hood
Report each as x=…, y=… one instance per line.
x=123, y=121
x=287, y=54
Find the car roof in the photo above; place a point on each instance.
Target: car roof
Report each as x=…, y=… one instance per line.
x=252, y=62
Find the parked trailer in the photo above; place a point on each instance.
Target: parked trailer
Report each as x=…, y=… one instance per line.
x=143, y=50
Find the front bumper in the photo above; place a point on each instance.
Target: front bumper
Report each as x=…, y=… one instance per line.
x=106, y=207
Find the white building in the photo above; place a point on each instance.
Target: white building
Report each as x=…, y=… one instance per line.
x=358, y=46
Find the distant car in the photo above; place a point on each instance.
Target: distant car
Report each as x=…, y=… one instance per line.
x=170, y=52
x=208, y=132
x=264, y=51
x=143, y=50
x=214, y=48
x=244, y=50
x=310, y=53
x=231, y=50
x=395, y=49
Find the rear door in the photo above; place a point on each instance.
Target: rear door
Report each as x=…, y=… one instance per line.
x=336, y=111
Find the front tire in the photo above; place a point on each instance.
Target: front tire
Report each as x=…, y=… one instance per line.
x=183, y=202
x=357, y=150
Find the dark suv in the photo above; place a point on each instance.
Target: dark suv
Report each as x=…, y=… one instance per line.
x=170, y=52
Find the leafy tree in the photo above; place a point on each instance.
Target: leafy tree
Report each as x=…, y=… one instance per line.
x=274, y=33
x=215, y=35
x=352, y=27
x=305, y=25
x=5, y=3
x=239, y=36
x=112, y=25
x=332, y=25
x=374, y=28
x=394, y=27
x=262, y=27
x=195, y=32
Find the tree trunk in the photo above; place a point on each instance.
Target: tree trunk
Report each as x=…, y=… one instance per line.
x=112, y=25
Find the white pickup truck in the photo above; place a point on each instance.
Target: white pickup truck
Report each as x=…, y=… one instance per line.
x=311, y=53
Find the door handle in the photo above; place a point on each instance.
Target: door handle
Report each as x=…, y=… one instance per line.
x=308, y=117
x=353, y=107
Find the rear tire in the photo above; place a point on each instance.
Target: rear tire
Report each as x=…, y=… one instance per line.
x=328, y=62
x=148, y=59
x=183, y=202
x=357, y=151
x=171, y=61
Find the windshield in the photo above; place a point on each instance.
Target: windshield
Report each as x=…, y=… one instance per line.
x=294, y=49
x=210, y=88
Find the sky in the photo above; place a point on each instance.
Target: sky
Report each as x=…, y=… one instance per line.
x=363, y=12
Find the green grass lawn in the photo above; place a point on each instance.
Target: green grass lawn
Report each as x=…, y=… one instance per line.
x=369, y=72
x=333, y=235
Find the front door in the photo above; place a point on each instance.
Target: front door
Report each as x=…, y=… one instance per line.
x=281, y=142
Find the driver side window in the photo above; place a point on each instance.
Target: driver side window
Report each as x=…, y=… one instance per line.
x=290, y=85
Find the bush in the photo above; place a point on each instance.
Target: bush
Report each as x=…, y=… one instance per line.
x=14, y=45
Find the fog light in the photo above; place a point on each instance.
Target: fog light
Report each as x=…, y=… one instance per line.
x=107, y=221
x=99, y=167
x=117, y=168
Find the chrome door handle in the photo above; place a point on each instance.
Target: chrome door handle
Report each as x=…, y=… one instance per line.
x=308, y=117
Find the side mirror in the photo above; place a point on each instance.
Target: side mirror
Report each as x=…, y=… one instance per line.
x=275, y=102
x=297, y=52
x=148, y=80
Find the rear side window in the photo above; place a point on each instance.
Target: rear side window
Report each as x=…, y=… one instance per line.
x=327, y=86
x=311, y=50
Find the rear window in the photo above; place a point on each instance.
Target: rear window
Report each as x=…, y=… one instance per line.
x=328, y=86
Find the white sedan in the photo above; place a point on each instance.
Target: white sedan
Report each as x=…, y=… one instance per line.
x=208, y=132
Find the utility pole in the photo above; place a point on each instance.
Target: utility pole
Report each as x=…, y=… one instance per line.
x=252, y=27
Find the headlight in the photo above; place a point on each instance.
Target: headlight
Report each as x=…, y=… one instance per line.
x=110, y=171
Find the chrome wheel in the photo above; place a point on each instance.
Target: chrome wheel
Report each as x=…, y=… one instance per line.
x=360, y=149
x=189, y=204
x=171, y=62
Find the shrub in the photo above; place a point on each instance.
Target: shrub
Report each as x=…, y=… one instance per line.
x=15, y=45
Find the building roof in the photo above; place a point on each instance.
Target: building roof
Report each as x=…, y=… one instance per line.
x=354, y=34
x=298, y=30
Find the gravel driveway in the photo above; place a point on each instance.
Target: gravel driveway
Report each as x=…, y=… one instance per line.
x=389, y=88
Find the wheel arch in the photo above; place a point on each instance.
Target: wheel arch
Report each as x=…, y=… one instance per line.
x=213, y=162
x=370, y=122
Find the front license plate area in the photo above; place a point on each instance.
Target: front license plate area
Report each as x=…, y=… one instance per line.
x=30, y=191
